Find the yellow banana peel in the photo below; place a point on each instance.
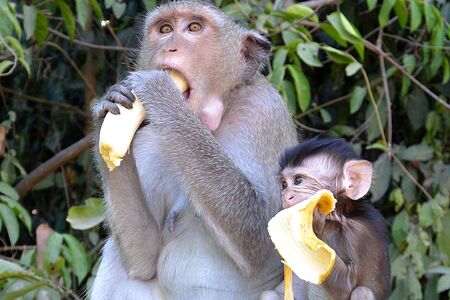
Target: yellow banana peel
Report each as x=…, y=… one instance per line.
x=292, y=233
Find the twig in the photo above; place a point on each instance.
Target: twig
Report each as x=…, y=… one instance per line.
x=375, y=106
x=303, y=126
x=74, y=65
x=16, y=58
x=328, y=103
x=51, y=165
x=320, y=3
x=414, y=43
x=64, y=106
x=17, y=248
x=387, y=95
x=392, y=61
x=405, y=170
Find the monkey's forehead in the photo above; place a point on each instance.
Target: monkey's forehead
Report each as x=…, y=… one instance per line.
x=187, y=8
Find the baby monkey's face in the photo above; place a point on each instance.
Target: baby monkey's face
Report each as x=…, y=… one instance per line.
x=314, y=173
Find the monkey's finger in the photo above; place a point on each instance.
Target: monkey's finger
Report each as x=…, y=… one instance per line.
x=120, y=94
x=102, y=107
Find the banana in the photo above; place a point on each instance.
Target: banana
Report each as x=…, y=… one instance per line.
x=117, y=131
x=292, y=233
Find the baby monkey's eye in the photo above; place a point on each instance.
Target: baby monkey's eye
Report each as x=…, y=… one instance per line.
x=194, y=27
x=166, y=28
x=298, y=180
x=283, y=184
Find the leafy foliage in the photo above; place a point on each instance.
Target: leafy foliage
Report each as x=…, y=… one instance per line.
x=376, y=73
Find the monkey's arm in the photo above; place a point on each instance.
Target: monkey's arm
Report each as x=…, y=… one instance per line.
x=360, y=261
x=134, y=228
x=232, y=184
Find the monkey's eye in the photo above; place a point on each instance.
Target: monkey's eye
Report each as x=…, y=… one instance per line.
x=194, y=27
x=166, y=28
x=283, y=184
x=298, y=180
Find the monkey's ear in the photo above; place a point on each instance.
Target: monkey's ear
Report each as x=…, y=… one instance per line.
x=256, y=50
x=357, y=178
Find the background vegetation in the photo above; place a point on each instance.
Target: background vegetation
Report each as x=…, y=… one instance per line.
x=375, y=72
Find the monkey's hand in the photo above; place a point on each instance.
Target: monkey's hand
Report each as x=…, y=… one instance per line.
x=157, y=92
x=319, y=220
x=120, y=93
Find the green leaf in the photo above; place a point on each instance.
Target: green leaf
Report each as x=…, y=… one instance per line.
x=69, y=20
x=96, y=9
x=19, y=210
x=439, y=270
x=5, y=65
x=409, y=63
x=333, y=34
x=401, y=10
x=396, y=196
x=29, y=20
x=302, y=88
x=381, y=177
x=87, y=216
x=416, y=15
x=5, y=9
x=371, y=4
x=430, y=17
x=446, y=67
x=9, y=191
x=386, y=7
x=352, y=68
x=109, y=3
x=279, y=58
x=347, y=31
x=41, y=31
x=443, y=237
x=80, y=264
x=443, y=283
x=417, y=108
x=16, y=294
x=420, y=152
x=400, y=228
x=289, y=96
x=338, y=56
x=11, y=224
x=28, y=257
x=119, y=9
x=53, y=249
x=277, y=76
x=299, y=11
x=82, y=13
x=326, y=117
x=309, y=53
x=150, y=4
x=357, y=97
x=14, y=43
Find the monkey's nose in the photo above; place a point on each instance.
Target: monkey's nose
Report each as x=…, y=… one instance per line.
x=171, y=50
x=288, y=201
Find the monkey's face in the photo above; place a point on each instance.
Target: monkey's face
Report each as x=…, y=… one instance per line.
x=191, y=42
x=298, y=183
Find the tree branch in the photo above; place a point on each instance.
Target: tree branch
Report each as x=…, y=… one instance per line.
x=392, y=61
x=24, y=187
x=64, y=106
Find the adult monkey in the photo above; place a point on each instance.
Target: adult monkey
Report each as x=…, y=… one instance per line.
x=216, y=145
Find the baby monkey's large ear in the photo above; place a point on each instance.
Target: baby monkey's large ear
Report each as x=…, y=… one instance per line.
x=357, y=178
x=256, y=50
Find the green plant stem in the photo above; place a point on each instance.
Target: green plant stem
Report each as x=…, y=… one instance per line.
x=405, y=170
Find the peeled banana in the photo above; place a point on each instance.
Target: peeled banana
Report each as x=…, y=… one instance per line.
x=117, y=131
x=292, y=233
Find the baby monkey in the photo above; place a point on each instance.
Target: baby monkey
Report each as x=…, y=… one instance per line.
x=355, y=229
